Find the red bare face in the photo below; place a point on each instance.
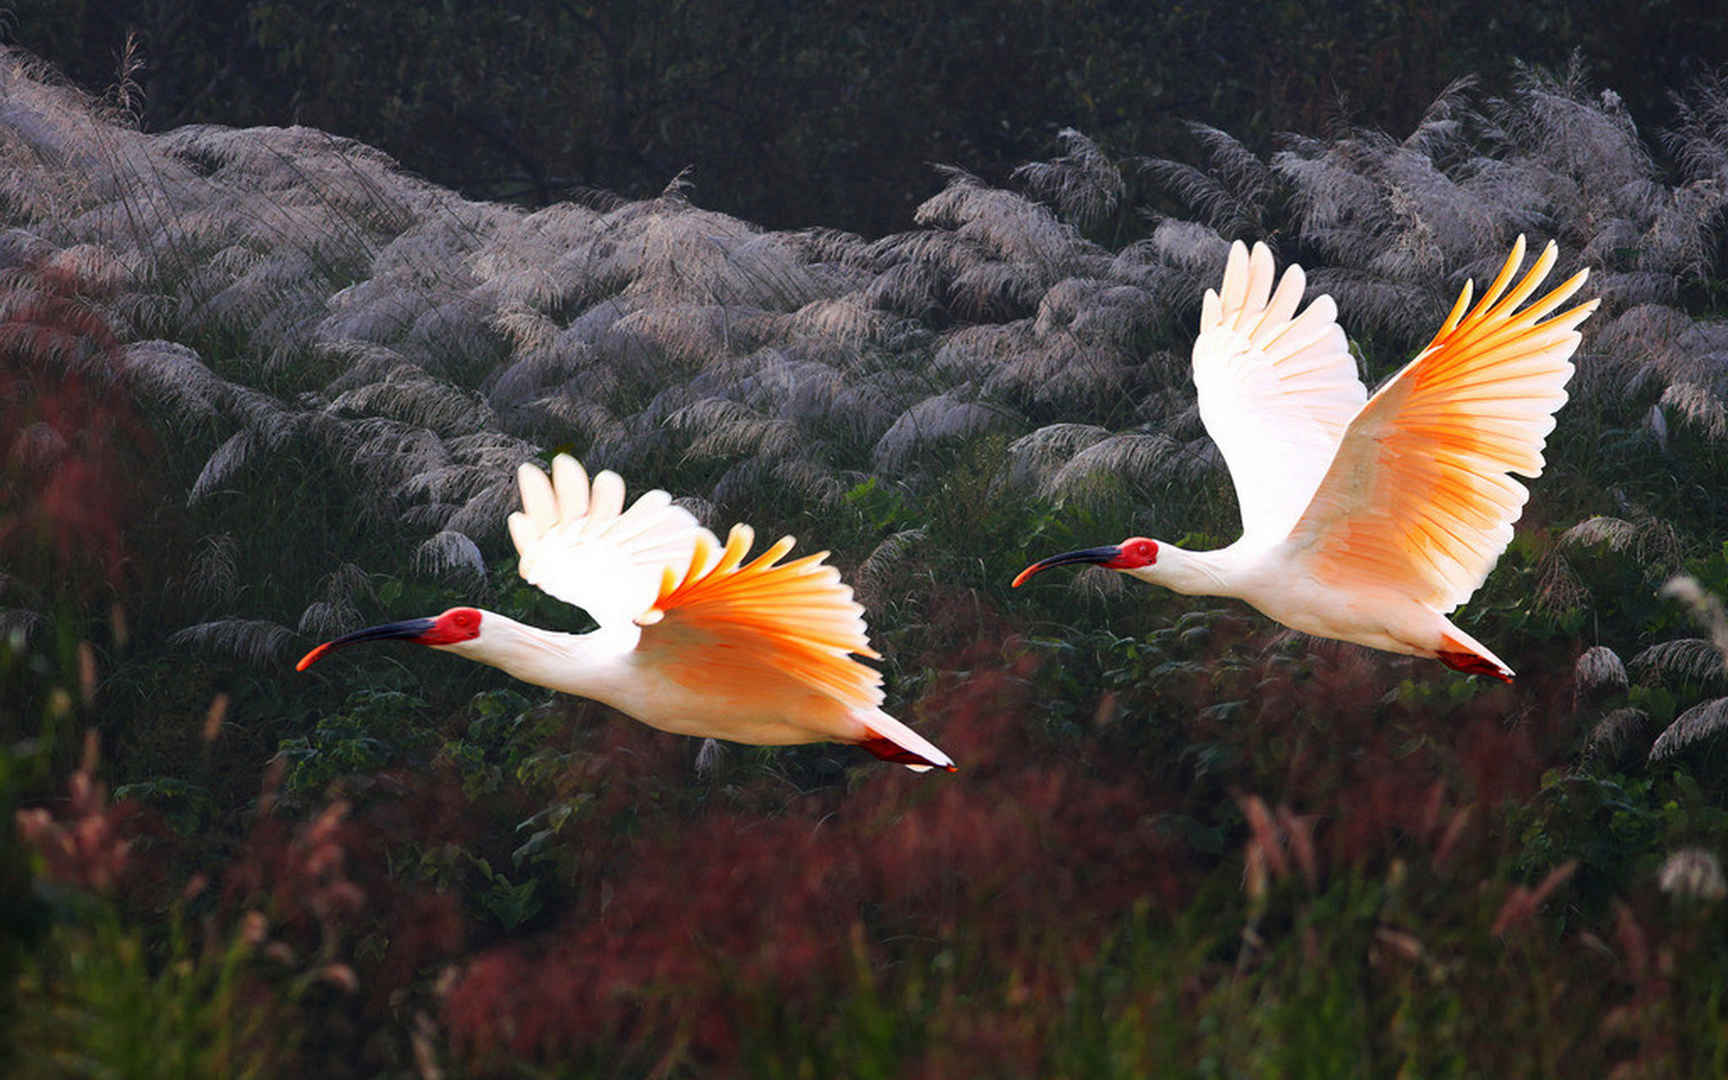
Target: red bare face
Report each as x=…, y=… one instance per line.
x=457, y=624
x=1137, y=551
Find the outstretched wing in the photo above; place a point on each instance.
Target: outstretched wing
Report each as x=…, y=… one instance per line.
x=576, y=541
x=762, y=624
x=1418, y=499
x=1276, y=388
x=708, y=618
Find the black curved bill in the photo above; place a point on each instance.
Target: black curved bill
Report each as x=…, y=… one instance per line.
x=410, y=629
x=1105, y=554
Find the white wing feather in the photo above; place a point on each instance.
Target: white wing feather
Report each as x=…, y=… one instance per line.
x=576, y=541
x=1277, y=389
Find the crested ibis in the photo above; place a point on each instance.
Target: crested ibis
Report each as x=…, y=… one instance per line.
x=1367, y=518
x=692, y=638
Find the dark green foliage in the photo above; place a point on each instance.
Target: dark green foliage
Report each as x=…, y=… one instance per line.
x=111, y=1010
x=1617, y=828
x=374, y=731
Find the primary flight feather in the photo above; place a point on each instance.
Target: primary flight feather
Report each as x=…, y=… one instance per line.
x=1367, y=519
x=692, y=638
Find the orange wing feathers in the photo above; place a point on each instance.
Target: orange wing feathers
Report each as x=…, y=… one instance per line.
x=794, y=618
x=1418, y=498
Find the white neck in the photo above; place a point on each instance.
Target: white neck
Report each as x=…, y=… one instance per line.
x=587, y=665
x=1191, y=573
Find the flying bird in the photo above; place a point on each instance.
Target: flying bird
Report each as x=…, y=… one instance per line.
x=1367, y=519
x=692, y=638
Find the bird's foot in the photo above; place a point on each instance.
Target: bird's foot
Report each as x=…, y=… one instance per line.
x=1471, y=664
x=889, y=750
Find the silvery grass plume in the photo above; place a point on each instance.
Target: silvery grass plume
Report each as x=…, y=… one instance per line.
x=1618, y=742
x=1642, y=539
x=253, y=641
x=1693, y=873
x=1598, y=674
x=1706, y=608
x=1703, y=660
x=1084, y=185
x=1231, y=196
x=297, y=306
x=1703, y=724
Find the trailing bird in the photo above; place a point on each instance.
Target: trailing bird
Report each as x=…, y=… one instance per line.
x=1367, y=519
x=691, y=638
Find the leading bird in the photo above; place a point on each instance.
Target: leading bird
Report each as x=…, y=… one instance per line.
x=692, y=639
x=1367, y=519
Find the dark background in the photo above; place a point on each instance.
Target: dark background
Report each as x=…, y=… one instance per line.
x=828, y=112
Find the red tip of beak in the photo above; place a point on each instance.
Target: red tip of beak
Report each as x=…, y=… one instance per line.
x=312, y=657
x=1100, y=556
x=416, y=630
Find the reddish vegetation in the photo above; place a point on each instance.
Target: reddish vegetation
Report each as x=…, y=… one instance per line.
x=1401, y=764
x=325, y=882
x=712, y=919
x=88, y=844
x=302, y=890
x=1023, y=865
x=68, y=432
x=692, y=937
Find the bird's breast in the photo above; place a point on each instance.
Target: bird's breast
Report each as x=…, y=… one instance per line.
x=1374, y=618
x=714, y=701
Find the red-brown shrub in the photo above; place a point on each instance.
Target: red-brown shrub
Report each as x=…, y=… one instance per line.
x=69, y=434
x=1023, y=862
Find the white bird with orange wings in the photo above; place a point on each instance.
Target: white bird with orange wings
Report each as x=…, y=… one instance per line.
x=692, y=639
x=1367, y=519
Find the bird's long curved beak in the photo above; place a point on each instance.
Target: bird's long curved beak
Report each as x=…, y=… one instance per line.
x=1106, y=554
x=409, y=629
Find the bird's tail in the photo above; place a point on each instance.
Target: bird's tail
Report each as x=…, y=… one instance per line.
x=891, y=740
